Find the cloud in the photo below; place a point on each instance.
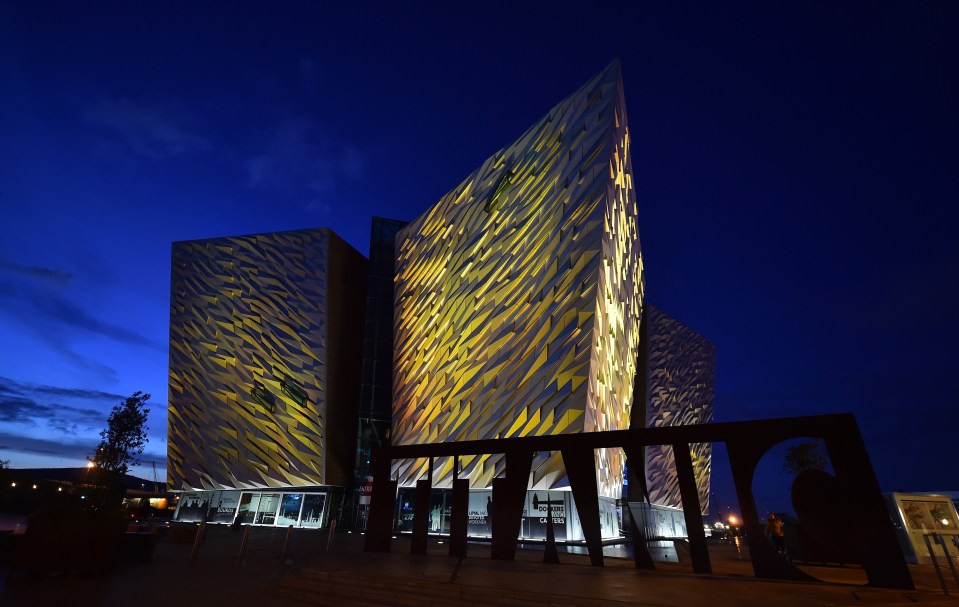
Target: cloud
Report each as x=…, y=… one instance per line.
x=33, y=423
x=76, y=392
x=63, y=426
x=43, y=306
x=70, y=314
x=20, y=410
x=76, y=450
x=43, y=446
x=150, y=130
x=47, y=274
x=298, y=159
x=27, y=404
x=106, y=372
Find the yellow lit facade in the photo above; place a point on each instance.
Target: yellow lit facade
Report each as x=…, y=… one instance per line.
x=263, y=361
x=519, y=297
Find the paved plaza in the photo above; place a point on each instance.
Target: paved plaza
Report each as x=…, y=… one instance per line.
x=345, y=575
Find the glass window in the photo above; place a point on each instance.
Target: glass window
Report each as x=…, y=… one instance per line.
x=290, y=509
x=313, y=510
x=247, y=509
x=266, y=513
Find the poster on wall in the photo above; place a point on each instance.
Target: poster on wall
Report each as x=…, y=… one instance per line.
x=927, y=514
x=192, y=507
x=547, y=503
x=224, y=504
x=923, y=515
x=247, y=508
x=266, y=513
x=289, y=513
x=480, y=519
x=439, y=516
x=404, y=517
x=313, y=504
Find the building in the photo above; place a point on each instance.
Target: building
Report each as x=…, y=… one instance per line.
x=512, y=307
x=264, y=374
x=519, y=294
x=376, y=389
x=677, y=381
x=675, y=386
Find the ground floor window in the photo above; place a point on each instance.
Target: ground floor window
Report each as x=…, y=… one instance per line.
x=300, y=509
x=559, y=505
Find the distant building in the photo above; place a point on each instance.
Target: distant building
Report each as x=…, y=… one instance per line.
x=264, y=372
x=677, y=384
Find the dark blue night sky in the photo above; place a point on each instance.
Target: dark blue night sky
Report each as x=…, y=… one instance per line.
x=796, y=168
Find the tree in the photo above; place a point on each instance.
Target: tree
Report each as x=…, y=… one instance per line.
x=810, y=455
x=122, y=442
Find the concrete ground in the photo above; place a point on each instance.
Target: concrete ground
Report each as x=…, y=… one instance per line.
x=345, y=575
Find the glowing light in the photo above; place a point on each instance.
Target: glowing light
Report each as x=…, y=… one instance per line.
x=945, y=521
x=90, y=464
x=733, y=520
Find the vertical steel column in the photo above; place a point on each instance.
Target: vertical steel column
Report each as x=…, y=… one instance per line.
x=689, y=492
x=641, y=557
x=421, y=517
x=459, y=520
x=379, y=528
x=581, y=470
x=509, y=493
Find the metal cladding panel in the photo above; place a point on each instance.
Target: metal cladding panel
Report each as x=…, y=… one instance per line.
x=248, y=353
x=518, y=297
x=681, y=380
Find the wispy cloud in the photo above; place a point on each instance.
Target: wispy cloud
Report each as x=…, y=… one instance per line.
x=72, y=315
x=58, y=421
x=19, y=404
x=20, y=410
x=298, y=158
x=75, y=450
x=46, y=274
x=63, y=426
x=151, y=130
x=84, y=393
x=35, y=307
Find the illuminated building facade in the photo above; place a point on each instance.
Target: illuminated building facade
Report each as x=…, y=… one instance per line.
x=513, y=307
x=519, y=294
x=680, y=379
x=264, y=371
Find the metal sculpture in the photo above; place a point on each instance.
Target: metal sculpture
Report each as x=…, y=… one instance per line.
x=873, y=537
